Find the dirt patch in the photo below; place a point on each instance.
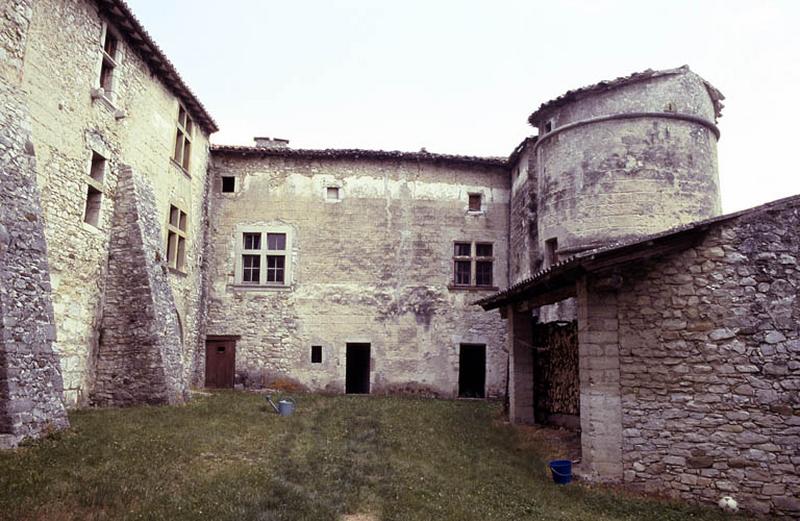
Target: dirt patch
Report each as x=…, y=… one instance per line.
x=359, y=517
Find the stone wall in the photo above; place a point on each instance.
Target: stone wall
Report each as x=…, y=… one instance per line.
x=709, y=341
x=139, y=355
x=603, y=176
x=30, y=373
x=375, y=266
x=135, y=127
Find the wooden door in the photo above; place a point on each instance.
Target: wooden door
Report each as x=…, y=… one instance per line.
x=220, y=363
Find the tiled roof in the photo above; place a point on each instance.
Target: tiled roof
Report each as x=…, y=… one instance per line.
x=579, y=261
x=126, y=22
x=357, y=154
x=603, y=86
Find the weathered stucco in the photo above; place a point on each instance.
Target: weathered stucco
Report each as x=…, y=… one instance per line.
x=604, y=175
x=61, y=67
x=374, y=267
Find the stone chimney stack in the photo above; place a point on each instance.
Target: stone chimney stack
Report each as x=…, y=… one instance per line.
x=271, y=142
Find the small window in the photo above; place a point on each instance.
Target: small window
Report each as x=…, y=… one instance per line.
x=262, y=258
x=94, y=198
x=228, y=184
x=316, y=354
x=551, y=252
x=108, y=52
x=548, y=126
x=183, y=139
x=176, y=239
x=475, y=202
x=332, y=193
x=473, y=264
x=94, y=191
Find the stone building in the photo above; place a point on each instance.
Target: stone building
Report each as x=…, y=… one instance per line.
x=368, y=244
x=137, y=260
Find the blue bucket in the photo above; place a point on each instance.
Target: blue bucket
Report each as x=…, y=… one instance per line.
x=562, y=471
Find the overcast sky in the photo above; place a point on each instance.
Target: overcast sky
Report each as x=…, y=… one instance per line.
x=463, y=76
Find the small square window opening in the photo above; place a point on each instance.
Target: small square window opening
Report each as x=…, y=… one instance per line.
x=332, y=193
x=228, y=184
x=475, y=202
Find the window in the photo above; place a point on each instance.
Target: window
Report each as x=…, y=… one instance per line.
x=109, y=53
x=474, y=202
x=548, y=126
x=473, y=264
x=316, y=354
x=94, y=192
x=176, y=239
x=551, y=252
x=332, y=193
x=183, y=139
x=228, y=184
x=262, y=257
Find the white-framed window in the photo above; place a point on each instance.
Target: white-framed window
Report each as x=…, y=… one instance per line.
x=263, y=256
x=109, y=62
x=333, y=193
x=183, y=139
x=473, y=264
x=475, y=202
x=176, y=238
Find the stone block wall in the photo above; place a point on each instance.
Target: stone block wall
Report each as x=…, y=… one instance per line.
x=375, y=266
x=710, y=365
x=600, y=393
x=520, y=365
x=30, y=373
x=136, y=128
x=139, y=359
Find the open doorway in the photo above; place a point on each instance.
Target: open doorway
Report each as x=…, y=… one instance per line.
x=357, y=369
x=472, y=371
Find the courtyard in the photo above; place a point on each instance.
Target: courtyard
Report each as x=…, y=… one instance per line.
x=228, y=456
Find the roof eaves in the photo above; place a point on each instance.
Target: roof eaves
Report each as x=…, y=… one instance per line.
x=357, y=154
x=574, y=262
x=140, y=39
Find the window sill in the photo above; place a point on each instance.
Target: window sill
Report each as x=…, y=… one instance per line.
x=91, y=228
x=476, y=213
x=258, y=287
x=453, y=287
x=103, y=99
x=177, y=272
x=180, y=167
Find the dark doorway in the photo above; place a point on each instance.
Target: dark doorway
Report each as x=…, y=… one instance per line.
x=220, y=363
x=357, y=377
x=472, y=371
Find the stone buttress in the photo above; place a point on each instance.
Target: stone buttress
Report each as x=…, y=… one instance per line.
x=139, y=358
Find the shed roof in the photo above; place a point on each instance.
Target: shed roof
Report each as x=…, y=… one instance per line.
x=607, y=85
x=126, y=22
x=617, y=253
x=357, y=154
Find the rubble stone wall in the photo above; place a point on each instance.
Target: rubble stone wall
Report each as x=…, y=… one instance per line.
x=375, y=266
x=709, y=356
x=30, y=373
x=139, y=357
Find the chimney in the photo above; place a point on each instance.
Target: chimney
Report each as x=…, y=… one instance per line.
x=271, y=142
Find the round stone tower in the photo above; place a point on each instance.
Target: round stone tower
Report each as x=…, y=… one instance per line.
x=625, y=158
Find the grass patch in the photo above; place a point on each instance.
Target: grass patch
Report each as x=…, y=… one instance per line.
x=227, y=457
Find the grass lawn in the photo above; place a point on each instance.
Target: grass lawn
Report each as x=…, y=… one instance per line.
x=226, y=457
